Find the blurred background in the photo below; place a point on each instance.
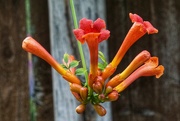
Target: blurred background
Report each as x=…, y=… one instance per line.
x=147, y=99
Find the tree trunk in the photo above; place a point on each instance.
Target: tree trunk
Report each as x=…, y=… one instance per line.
x=13, y=63
x=42, y=70
x=148, y=99
x=14, y=89
x=63, y=41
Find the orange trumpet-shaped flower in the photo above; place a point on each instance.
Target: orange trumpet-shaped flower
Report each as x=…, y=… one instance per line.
x=87, y=26
x=150, y=68
x=32, y=46
x=95, y=90
x=92, y=41
x=137, y=61
x=138, y=29
x=93, y=34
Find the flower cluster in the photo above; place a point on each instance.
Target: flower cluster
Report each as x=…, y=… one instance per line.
x=97, y=90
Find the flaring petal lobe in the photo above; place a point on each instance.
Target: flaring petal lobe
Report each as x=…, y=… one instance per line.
x=86, y=25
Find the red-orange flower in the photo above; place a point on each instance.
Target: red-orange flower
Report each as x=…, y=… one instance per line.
x=31, y=45
x=138, y=29
x=150, y=68
x=87, y=26
x=96, y=90
x=147, y=25
x=93, y=34
x=136, y=62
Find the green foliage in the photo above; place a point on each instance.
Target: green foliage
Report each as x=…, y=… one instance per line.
x=102, y=65
x=80, y=71
x=66, y=65
x=65, y=58
x=73, y=64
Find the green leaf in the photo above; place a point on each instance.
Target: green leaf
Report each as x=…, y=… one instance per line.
x=73, y=64
x=64, y=66
x=66, y=58
x=100, y=53
x=80, y=71
x=101, y=66
x=104, y=63
x=102, y=57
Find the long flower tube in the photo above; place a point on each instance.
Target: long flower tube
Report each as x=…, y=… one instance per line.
x=140, y=59
x=92, y=42
x=138, y=29
x=150, y=68
x=92, y=33
x=31, y=45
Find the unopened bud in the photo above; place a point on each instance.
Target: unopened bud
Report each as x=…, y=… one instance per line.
x=100, y=79
x=108, y=90
x=97, y=87
x=113, y=96
x=75, y=87
x=100, y=109
x=84, y=93
x=101, y=97
x=77, y=96
x=80, y=109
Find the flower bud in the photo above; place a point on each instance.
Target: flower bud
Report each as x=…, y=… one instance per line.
x=97, y=87
x=100, y=109
x=80, y=109
x=113, y=96
x=101, y=97
x=75, y=87
x=108, y=90
x=84, y=93
x=77, y=96
x=100, y=79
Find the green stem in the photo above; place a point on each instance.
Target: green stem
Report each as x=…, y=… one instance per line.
x=30, y=66
x=90, y=92
x=79, y=44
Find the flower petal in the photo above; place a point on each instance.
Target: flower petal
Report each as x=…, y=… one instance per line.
x=79, y=35
x=104, y=35
x=99, y=24
x=86, y=25
x=135, y=18
x=153, y=62
x=149, y=28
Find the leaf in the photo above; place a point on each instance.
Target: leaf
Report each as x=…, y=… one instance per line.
x=64, y=66
x=101, y=66
x=80, y=71
x=66, y=58
x=73, y=64
x=102, y=57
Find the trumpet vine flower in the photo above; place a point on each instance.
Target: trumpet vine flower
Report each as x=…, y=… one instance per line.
x=138, y=29
x=31, y=45
x=92, y=33
x=97, y=90
x=150, y=68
